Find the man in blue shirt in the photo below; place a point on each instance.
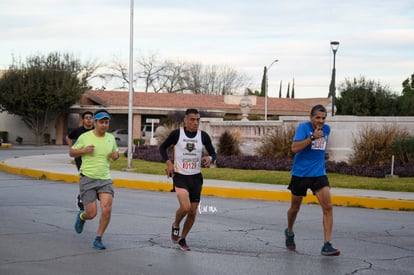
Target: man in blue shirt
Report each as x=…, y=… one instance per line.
x=308, y=172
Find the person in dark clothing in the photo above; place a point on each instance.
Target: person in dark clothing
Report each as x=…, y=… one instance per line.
x=185, y=169
x=72, y=137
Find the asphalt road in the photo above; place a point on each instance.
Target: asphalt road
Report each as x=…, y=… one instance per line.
x=231, y=236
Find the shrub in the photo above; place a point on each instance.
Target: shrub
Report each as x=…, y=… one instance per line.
x=151, y=153
x=254, y=163
x=373, y=146
x=377, y=171
x=229, y=144
x=19, y=140
x=139, y=141
x=403, y=149
x=146, y=152
x=46, y=138
x=357, y=170
x=163, y=132
x=277, y=143
x=404, y=169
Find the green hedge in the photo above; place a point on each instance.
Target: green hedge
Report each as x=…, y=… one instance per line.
x=403, y=149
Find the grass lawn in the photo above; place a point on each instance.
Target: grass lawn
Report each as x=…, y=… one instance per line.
x=274, y=177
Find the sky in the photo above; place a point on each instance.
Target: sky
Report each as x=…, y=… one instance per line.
x=376, y=36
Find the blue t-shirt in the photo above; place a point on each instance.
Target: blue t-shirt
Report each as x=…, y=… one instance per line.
x=310, y=162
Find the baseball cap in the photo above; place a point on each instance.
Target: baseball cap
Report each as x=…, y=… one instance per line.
x=101, y=115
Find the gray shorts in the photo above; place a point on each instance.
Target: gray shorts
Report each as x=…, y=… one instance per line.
x=89, y=188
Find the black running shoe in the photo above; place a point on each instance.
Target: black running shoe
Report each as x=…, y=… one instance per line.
x=175, y=234
x=183, y=245
x=290, y=240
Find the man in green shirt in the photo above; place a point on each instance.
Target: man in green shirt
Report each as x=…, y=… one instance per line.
x=96, y=147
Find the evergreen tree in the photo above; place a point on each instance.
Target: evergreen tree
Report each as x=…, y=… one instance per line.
x=408, y=86
x=363, y=97
x=280, y=89
x=263, y=88
x=406, y=101
x=288, y=91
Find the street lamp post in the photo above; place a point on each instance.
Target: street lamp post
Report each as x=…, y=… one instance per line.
x=334, y=46
x=266, y=69
x=131, y=83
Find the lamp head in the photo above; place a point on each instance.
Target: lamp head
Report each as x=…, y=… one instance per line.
x=334, y=46
x=273, y=62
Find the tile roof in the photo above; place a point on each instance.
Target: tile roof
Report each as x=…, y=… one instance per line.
x=276, y=106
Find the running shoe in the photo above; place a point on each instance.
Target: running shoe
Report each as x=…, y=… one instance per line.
x=79, y=223
x=183, y=245
x=97, y=244
x=290, y=240
x=328, y=250
x=175, y=234
x=80, y=204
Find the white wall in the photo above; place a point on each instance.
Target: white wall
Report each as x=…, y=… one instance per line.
x=16, y=127
x=343, y=131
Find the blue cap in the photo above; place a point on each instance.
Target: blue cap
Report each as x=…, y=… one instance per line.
x=101, y=115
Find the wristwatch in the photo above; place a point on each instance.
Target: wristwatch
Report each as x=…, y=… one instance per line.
x=312, y=137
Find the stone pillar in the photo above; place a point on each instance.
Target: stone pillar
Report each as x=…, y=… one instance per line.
x=136, y=121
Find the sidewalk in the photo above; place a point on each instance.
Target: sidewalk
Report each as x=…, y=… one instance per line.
x=59, y=167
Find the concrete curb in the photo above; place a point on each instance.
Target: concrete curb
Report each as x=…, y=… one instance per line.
x=225, y=192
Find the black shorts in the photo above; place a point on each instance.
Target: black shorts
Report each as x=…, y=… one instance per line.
x=299, y=185
x=192, y=183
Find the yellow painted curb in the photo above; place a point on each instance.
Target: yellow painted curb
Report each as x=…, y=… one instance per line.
x=39, y=174
x=6, y=145
x=21, y=171
x=142, y=184
x=224, y=192
x=373, y=203
x=71, y=178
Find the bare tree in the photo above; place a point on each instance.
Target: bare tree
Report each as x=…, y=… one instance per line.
x=172, y=78
x=120, y=71
x=231, y=81
x=223, y=80
x=180, y=77
x=210, y=80
x=117, y=72
x=152, y=70
x=193, y=78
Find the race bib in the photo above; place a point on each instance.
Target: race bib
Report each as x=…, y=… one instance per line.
x=319, y=144
x=189, y=163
